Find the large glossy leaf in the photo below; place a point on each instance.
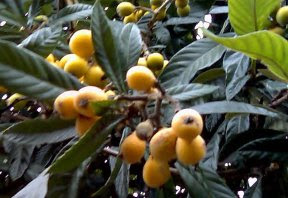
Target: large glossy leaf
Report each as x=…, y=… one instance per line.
x=10, y=17
x=209, y=75
x=19, y=158
x=236, y=66
x=43, y=41
x=190, y=91
x=108, y=51
x=266, y=46
x=71, y=13
x=87, y=145
x=40, y=131
x=261, y=150
x=24, y=72
x=37, y=188
x=131, y=42
x=204, y=182
x=250, y=15
x=184, y=65
x=237, y=124
x=233, y=107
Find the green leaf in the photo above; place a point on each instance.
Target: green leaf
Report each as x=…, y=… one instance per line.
x=250, y=15
x=236, y=66
x=131, y=42
x=190, y=91
x=43, y=41
x=254, y=191
x=260, y=45
x=209, y=75
x=19, y=158
x=40, y=131
x=237, y=124
x=102, y=107
x=108, y=49
x=10, y=17
x=26, y=73
x=71, y=13
x=37, y=188
x=87, y=145
x=259, y=151
x=188, y=61
x=204, y=183
x=232, y=107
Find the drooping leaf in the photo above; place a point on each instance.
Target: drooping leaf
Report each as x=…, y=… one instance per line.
x=10, y=17
x=87, y=145
x=20, y=156
x=233, y=107
x=26, y=73
x=250, y=15
x=204, y=182
x=237, y=124
x=190, y=91
x=184, y=64
x=108, y=51
x=40, y=131
x=71, y=13
x=131, y=43
x=37, y=188
x=209, y=75
x=43, y=41
x=258, y=151
x=236, y=66
x=260, y=45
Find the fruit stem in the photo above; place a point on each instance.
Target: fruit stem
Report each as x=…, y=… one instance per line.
x=131, y=98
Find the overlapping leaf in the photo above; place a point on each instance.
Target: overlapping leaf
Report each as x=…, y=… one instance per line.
x=266, y=46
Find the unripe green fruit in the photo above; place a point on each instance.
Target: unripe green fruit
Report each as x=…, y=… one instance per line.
x=155, y=61
x=182, y=12
x=144, y=130
x=125, y=9
x=161, y=15
x=282, y=16
x=181, y=3
x=277, y=30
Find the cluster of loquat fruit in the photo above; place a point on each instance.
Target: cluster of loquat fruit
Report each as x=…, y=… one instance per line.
x=132, y=13
x=181, y=141
x=80, y=63
x=279, y=20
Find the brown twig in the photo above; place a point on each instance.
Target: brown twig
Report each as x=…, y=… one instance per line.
x=280, y=98
x=157, y=11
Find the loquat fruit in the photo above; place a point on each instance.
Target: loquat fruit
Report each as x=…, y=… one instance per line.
x=277, y=30
x=155, y=172
x=155, y=61
x=156, y=2
x=132, y=18
x=162, y=145
x=84, y=123
x=64, y=105
x=50, y=58
x=182, y=12
x=95, y=77
x=282, y=16
x=125, y=9
x=132, y=149
x=187, y=124
x=76, y=66
x=140, y=78
x=142, y=62
x=65, y=58
x=144, y=130
x=190, y=152
x=81, y=43
x=181, y=3
x=85, y=96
